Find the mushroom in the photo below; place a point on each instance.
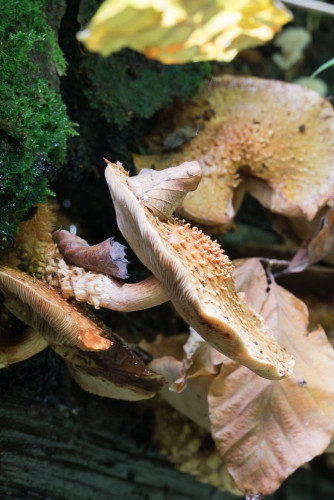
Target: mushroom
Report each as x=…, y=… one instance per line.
x=271, y=138
x=117, y=373
x=20, y=346
x=40, y=306
x=101, y=290
x=162, y=192
x=194, y=272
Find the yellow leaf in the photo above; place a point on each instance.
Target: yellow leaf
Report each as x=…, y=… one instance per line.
x=179, y=31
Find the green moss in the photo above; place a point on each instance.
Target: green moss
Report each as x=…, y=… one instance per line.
x=34, y=125
x=127, y=85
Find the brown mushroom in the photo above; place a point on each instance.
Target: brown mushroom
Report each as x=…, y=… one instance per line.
x=40, y=306
x=117, y=373
x=272, y=138
x=18, y=346
x=162, y=193
x=197, y=277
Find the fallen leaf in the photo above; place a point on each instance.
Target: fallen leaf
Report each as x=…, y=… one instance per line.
x=181, y=31
x=264, y=430
x=317, y=248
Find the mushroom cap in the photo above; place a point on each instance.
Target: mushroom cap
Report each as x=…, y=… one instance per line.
x=276, y=138
x=40, y=306
x=197, y=277
x=18, y=346
x=117, y=373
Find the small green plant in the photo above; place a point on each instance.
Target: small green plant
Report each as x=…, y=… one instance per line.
x=323, y=67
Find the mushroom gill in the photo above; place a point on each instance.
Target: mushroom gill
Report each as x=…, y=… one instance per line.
x=42, y=307
x=273, y=139
x=197, y=277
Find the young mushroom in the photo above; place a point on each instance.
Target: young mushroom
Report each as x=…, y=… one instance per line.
x=271, y=138
x=193, y=269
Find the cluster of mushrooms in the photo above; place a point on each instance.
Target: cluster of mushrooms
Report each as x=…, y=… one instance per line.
x=271, y=139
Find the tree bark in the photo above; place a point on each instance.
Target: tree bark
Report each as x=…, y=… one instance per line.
x=58, y=442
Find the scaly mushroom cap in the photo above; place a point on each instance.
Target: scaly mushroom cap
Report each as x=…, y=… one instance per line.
x=277, y=137
x=40, y=306
x=197, y=277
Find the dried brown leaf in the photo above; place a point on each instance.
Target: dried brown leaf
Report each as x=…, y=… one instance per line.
x=263, y=429
x=316, y=248
x=164, y=191
x=107, y=257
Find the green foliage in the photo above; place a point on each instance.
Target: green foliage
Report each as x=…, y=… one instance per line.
x=127, y=85
x=323, y=67
x=34, y=126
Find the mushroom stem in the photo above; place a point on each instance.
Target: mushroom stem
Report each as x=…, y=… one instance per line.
x=100, y=290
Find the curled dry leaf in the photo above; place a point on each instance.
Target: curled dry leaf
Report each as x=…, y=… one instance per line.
x=271, y=138
x=169, y=364
x=163, y=192
x=178, y=32
x=107, y=257
x=197, y=278
x=317, y=248
x=40, y=306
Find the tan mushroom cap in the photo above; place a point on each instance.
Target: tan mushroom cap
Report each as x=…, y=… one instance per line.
x=117, y=373
x=16, y=347
x=197, y=277
x=40, y=306
x=276, y=137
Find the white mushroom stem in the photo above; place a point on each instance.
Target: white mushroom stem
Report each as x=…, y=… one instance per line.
x=100, y=290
